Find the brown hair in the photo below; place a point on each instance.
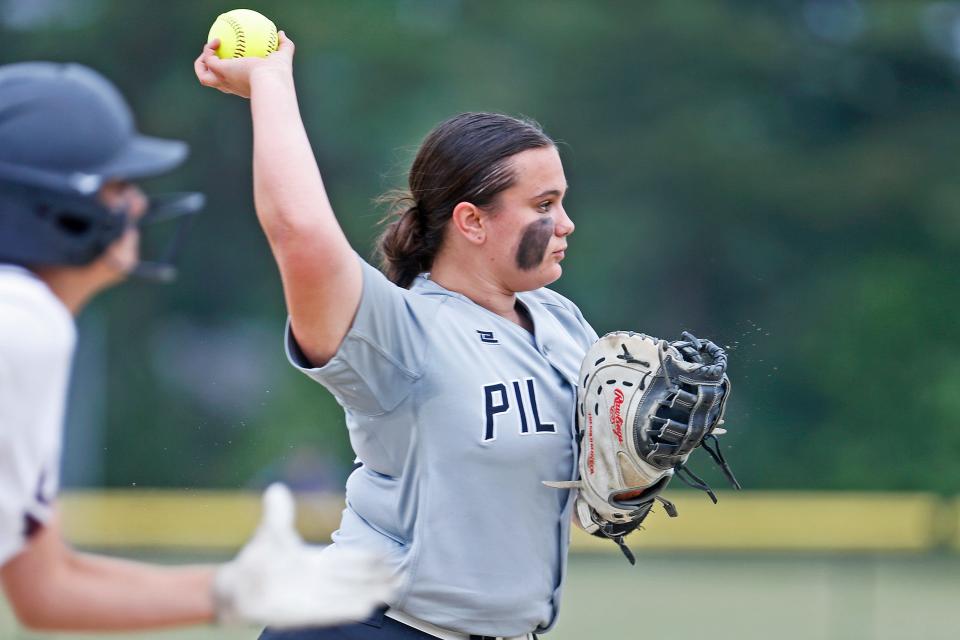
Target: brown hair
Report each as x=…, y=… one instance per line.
x=464, y=159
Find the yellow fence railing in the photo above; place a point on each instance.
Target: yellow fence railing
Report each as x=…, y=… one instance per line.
x=158, y=518
x=756, y=520
x=788, y=521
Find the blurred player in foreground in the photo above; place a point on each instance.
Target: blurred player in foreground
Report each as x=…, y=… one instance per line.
x=70, y=220
x=456, y=366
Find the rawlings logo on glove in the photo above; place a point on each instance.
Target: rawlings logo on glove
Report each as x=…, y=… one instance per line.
x=646, y=404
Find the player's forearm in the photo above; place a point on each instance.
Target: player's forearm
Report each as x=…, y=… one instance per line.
x=320, y=273
x=50, y=586
x=289, y=193
x=95, y=593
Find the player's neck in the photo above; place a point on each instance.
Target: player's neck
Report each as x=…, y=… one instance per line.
x=484, y=291
x=72, y=286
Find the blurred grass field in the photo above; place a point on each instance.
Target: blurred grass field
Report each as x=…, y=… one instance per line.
x=742, y=596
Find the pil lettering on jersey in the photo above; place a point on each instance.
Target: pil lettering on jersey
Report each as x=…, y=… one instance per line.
x=496, y=400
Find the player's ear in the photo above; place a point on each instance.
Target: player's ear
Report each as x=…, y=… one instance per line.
x=468, y=221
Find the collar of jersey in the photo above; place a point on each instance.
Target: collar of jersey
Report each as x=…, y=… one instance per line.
x=423, y=285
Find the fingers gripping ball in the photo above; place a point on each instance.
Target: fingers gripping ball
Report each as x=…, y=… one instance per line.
x=244, y=33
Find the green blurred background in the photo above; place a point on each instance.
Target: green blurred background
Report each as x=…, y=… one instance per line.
x=777, y=175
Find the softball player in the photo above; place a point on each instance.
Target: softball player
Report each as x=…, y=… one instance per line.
x=457, y=369
x=69, y=219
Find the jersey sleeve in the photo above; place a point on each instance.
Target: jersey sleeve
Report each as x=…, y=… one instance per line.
x=34, y=367
x=380, y=358
x=13, y=485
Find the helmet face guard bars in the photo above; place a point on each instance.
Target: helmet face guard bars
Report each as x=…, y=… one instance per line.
x=50, y=218
x=165, y=207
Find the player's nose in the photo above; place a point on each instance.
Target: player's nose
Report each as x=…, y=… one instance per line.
x=564, y=225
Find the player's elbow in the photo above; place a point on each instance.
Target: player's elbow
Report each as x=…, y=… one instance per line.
x=32, y=601
x=32, y=582
x=33, y=613
x=32, y=621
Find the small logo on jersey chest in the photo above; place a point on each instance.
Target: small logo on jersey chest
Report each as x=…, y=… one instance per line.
x=487, y=337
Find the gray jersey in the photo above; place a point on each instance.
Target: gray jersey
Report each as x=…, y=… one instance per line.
x=458, y=415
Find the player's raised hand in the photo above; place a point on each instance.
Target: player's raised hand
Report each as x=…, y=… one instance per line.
x=279, y=581
x=234, y=75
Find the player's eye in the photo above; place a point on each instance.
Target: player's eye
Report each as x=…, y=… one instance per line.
x=545, y=205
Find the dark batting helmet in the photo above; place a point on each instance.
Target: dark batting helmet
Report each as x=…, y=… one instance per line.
x=65, y=131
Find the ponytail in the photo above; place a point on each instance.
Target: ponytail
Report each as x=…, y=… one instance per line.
x=401, y=248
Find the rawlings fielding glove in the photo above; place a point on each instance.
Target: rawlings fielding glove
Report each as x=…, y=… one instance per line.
x=643, y=405
x=279, y=581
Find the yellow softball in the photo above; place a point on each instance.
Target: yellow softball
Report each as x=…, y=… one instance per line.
x=244, y=33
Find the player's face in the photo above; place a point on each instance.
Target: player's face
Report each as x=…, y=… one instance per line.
x=122, y=256
x=529, y=226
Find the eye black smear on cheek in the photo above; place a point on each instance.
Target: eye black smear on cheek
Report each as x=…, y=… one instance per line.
x=533, y=243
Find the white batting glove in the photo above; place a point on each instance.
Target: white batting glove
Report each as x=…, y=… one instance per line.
x=279, y=581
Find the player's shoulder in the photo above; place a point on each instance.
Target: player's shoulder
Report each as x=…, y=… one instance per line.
x=30, y=313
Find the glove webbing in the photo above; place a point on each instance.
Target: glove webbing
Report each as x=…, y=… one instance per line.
x=674, y=438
